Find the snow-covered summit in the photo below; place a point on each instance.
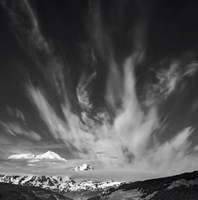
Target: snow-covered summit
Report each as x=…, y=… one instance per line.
x=48, y=155
x=84, y=167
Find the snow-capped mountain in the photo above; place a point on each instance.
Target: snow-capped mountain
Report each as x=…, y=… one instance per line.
x=48, y=155
x=84, y=167
x=58, y=183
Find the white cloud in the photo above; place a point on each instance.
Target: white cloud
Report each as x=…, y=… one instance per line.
x=168, y=79
x=17, y=130
x=171, y=156
x=15, y=113
x=191, y=68
x=29, y=34
x=82, y=91
x=129, y=139
x=131, y=129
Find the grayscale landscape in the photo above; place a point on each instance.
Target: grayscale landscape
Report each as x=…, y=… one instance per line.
x=98, y=99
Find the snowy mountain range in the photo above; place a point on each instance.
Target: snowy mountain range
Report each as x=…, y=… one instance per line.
x=179, y=187
x=57, y=183
x=48, y=155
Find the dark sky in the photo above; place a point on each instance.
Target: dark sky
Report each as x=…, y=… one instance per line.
x=112, y=81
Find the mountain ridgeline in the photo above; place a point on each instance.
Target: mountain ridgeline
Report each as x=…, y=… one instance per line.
x=179, y=187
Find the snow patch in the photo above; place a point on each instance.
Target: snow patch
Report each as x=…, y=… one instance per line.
x=84, y=167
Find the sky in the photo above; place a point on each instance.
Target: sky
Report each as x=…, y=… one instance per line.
x=109, y=82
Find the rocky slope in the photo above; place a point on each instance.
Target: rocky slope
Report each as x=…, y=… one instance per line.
x=180, y=187
x=18, y=192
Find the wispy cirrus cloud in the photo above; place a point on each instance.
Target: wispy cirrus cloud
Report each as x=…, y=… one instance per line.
x=14, y=112
x=127, y=135
x=171, y=156
x=82, y=91
x=29, y=34
x=130, y=141
x=18, y=130
x=131, y=138
x=170, y=77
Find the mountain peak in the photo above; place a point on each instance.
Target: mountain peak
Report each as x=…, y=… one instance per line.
x=84, y=167
x=49, y=155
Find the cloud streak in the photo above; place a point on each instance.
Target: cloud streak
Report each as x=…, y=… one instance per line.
x=16, y=113
x=29, y=34
x=18, y=130
x=82, y=91
x=129, y=141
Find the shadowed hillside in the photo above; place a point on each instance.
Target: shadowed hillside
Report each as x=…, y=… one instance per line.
x=17, y=192
x=180, y=187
